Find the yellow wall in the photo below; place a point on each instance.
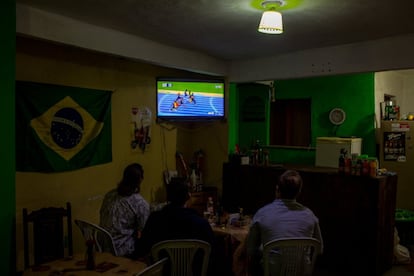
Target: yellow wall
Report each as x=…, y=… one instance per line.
x=133, y=84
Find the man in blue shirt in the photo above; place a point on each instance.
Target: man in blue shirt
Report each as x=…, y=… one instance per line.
x=283, y=218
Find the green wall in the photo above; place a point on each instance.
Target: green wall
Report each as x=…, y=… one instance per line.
x=7, y=145
x=253, y=114
x=232, y=116
x=353, y=93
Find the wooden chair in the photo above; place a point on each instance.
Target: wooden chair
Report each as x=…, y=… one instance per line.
x=102, y=238
x=49, y=236
x=156, y=269
x=290, y=256
x=182, y=254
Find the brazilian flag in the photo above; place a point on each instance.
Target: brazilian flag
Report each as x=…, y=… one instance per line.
x=61, y=128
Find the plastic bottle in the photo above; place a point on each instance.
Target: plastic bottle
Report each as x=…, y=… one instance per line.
x=210, y=210
x=373, y=166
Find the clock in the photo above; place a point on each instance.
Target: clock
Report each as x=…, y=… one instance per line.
x=337, y=116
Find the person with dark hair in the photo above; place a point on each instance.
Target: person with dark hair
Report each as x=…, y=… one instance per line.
x=175, y=220
x=124, y=211
x=282, y=218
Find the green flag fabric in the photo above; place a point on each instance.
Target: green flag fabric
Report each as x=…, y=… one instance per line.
x=61, y=128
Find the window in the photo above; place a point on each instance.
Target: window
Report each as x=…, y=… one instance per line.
x=290, y=122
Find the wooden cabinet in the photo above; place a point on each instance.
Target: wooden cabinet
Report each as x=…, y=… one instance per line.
x=198, y=200
x=356, y=213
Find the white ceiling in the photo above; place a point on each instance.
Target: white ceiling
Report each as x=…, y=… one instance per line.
x=227, y=29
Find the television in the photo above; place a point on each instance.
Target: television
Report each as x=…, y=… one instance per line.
x=187, y=99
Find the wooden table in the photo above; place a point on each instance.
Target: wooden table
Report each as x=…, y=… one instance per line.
x=236, y=233
x=106, y=264
x=231, y=243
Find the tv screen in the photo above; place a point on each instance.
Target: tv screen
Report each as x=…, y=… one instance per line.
x=190, y=99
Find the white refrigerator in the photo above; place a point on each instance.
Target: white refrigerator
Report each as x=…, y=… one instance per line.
x=328, y=150
x=397, y=155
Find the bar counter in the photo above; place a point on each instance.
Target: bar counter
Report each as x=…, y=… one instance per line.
x=356, y=213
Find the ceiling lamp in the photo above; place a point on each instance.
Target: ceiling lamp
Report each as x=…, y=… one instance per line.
x=271, y=22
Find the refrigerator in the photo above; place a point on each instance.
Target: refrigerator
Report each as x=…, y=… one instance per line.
x=396, y=146
x=328, y=150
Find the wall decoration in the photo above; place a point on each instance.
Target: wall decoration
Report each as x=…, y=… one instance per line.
x=394, y=146
x=61, y=128
x=141, y=127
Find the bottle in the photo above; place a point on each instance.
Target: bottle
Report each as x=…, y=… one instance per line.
x=365, y=167
x=266, y=158
x=348, y=165
x=358, y=169
x=373, y=165
x=258, y=153
x=210, y=210
x=90, y=255
x=354, y=160
x=210, y=205
x=241, y=215
x=341, y=162
x=219, y=213
x=193, y=179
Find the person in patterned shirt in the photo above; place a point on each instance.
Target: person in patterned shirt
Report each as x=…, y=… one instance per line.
x=124, y=211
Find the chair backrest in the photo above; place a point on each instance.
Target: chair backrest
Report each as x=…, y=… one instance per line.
x=290, y=256
x=48, y=236
x=155, y=269
x=102, y=238
x=182, y=254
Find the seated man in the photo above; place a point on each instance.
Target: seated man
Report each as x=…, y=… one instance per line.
x=174, y=221
x=283, y=218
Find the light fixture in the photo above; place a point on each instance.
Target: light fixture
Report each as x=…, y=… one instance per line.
x=271, y=22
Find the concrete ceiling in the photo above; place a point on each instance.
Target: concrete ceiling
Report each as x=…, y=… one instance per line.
x=227, y=29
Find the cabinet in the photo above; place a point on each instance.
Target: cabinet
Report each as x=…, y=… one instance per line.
x=356, y=213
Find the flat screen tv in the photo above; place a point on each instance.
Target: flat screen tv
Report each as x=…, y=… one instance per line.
x=190, y=99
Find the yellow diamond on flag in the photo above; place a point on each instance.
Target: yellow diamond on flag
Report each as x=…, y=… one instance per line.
x=66, y=128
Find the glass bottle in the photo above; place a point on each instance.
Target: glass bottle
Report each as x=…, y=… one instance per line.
x=341, y=161
x=90, y=255
x=210, y=210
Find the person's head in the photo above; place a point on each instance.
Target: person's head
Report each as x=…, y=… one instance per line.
x=131, y=180
x=289, y=185
x=178, y=192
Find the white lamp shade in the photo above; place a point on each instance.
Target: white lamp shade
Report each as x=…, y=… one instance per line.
x=271, y=23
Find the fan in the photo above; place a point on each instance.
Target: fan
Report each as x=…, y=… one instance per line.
x=337, y=116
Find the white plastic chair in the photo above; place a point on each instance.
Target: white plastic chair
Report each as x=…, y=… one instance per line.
x=155, y=269
x=290, y=256
x=102, y=238
x=181, y=253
